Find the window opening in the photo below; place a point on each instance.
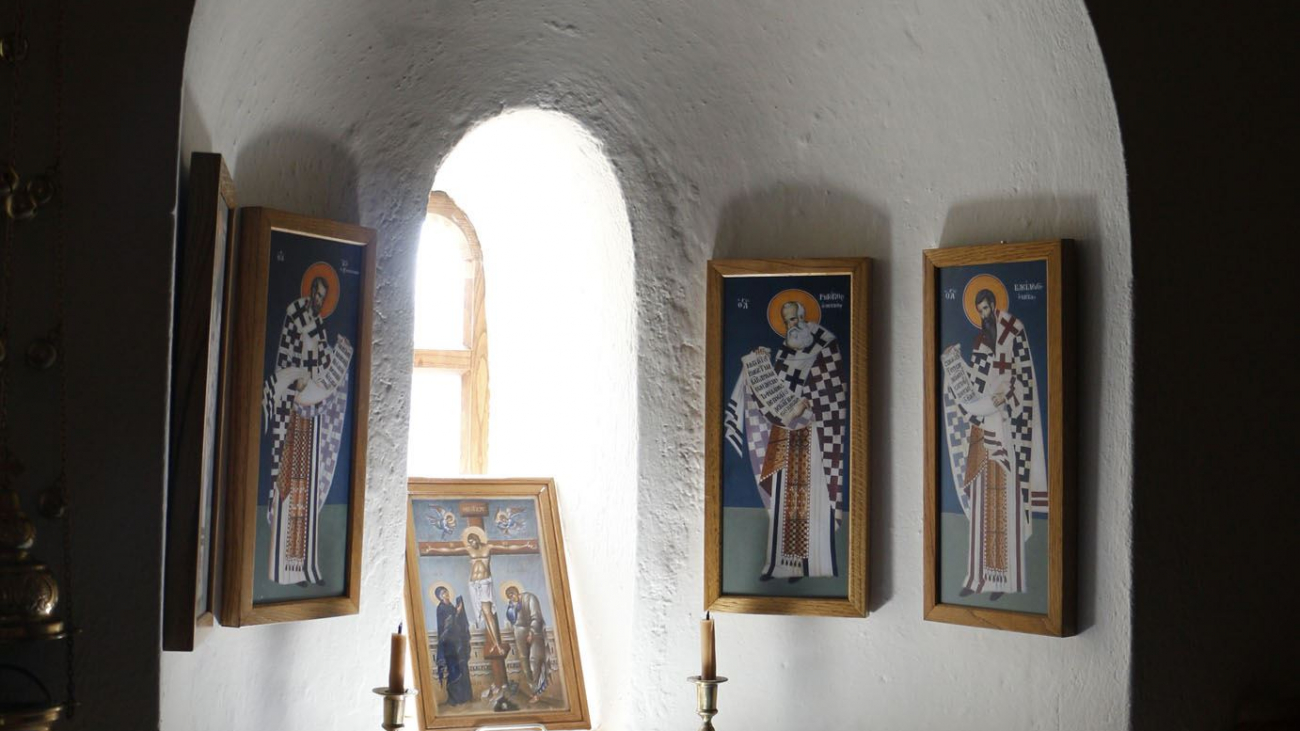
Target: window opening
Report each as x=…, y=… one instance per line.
x=449, y=363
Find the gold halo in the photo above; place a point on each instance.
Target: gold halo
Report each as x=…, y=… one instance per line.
x=506, y=585
x=331, y=277
x=973, y=287
x=433, y=591
x=812, y=310
x=473, y=530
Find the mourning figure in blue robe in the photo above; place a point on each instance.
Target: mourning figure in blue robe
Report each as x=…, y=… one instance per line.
x=453, y=648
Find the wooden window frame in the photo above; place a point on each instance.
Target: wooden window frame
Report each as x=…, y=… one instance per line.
x=471, y=362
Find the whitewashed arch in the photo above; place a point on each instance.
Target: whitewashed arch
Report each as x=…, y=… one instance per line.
x=557, y=259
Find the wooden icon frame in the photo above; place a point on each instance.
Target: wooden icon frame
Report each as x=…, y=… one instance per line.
x=551, y=549
x=251, y=315
x=854, y=341
x=1059, y=618
x=200, y=375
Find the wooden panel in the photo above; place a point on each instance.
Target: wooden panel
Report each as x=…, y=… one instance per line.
x=244, y=312
x=474, y=393
x=195, y=448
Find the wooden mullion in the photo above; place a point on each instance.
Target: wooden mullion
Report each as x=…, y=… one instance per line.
x=450, y=360
x=474, y=393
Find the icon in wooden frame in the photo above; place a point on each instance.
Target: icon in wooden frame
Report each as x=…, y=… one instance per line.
x=493, y=639
x=199, y=375
x=299, y=406
x=786, y=436
x=999, y=522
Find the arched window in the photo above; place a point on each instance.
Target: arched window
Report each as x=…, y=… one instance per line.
x=450, y=359
x=549, y=210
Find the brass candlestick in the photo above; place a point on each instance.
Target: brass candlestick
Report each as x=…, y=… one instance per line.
x=394, y=707
x=706, y=698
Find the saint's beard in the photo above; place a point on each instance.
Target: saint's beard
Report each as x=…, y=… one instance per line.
x=799, y=336
x=990, y=328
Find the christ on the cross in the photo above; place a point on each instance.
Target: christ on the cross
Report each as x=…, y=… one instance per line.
x=995, y=441
x=480, y=550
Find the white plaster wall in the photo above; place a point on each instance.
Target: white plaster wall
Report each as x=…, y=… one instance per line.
x=737, y=128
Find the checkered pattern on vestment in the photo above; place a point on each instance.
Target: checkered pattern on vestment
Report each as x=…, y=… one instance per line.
x=330, y=413
x=815, y=373
x=731, y=426
x=827, y=390
x=1022, y=400
x=304, y=343
x=956, y=426
x=748, y=431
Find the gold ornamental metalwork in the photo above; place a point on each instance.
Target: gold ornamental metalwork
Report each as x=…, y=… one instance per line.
x=20, y=205
x=42, y=354
x=30, y=715
x=42, y=189
x=13, y=48
x=33, y=717
x=29, y=593
x=9, y=178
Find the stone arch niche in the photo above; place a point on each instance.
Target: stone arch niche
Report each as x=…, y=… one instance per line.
x=733, y=130
x=560, y=300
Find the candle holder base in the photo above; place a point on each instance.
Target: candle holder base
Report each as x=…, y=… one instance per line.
x=394, y=707
x=706, y=699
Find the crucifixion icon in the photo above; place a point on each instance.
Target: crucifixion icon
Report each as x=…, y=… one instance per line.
x=474, y=543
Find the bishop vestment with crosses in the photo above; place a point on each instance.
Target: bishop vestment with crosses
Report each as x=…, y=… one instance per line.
x=304, y=403
x=788, y=414
x=993, y=427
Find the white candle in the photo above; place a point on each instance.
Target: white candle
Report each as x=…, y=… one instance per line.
x=397, y=662
x=709, y=664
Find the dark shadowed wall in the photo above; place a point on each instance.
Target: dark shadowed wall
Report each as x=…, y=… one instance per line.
x=122, y=116
x=1205, y=93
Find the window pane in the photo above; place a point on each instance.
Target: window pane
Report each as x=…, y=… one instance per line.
x=434, y=449
x=440, y=280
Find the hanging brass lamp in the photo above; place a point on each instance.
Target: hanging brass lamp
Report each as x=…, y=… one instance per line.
x=29, y=593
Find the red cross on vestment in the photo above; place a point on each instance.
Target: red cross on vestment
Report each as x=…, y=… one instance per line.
x=1006, y=330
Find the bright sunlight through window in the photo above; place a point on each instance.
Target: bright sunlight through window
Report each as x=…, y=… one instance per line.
x=556, y=280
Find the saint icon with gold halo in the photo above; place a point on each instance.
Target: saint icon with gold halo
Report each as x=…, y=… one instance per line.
x=788, y=414
x=993, y=427
x=303, y=405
